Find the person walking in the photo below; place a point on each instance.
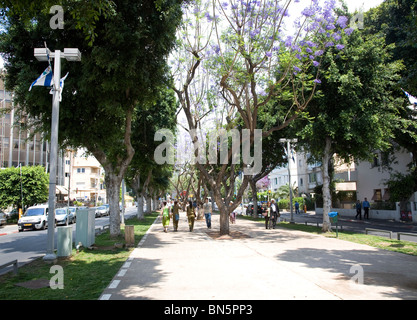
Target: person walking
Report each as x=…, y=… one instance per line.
x=267, y=214
x=274, y=213
x=366, y=206
x=297, y=207
x=358, y=210
x=232, y=214
x=207, y=212
x=175, y=215
x=165, y=216
x=191, y=215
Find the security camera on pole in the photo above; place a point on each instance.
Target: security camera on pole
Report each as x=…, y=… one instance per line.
x=53, y=78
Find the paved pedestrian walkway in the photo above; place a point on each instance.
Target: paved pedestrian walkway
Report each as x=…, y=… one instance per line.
x=258, y=264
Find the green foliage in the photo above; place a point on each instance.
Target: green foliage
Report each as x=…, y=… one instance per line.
x=401, y=186
x=354, y=106
x=32, y=184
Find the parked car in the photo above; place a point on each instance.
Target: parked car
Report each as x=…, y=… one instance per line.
x=34, y=218
x=13, y=214
x=3, y=218
x=62, y=216
x=249, y=209
x=73, y=213
x=101, y=211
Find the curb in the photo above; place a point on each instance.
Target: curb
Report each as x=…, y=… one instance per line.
x=123, y=269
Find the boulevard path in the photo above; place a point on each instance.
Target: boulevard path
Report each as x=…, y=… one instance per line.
x=258, y=264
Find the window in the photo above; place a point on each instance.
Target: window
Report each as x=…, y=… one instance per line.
x=375, y=162
x=301, y=181
x=312, y=177
x=80, y=170
x=377, y=195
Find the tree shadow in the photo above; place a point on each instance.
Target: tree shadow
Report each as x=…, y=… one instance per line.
x=380, y=268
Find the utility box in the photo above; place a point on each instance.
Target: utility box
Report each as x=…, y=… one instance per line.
x=85, y=230
x=64, y=241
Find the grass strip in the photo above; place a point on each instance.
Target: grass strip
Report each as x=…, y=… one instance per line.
x=406, y=247
x=86, y=273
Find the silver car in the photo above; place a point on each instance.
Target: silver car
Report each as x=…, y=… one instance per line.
x=101, y=211
x=3, y=219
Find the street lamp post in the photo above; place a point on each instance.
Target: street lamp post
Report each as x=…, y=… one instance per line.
x=289, y=141
x=41, y=54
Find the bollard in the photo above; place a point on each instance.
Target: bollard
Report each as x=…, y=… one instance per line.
x=130, y=236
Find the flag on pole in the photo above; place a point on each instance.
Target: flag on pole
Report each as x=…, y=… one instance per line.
x=61, y=87
x=413, y=100
x=46, y=79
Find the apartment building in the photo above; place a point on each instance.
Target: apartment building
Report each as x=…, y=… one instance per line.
x=84, y=177
x=362, y=179
x=20, y=144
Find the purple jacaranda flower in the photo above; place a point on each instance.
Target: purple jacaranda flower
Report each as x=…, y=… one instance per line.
x=318, y=53
x=318, y=81
x=329, y=44
x=340, y=47
x=311, y=44
x=316, y=64
x=297, y=69
x=348, y=31
x=309, y=50
x=207, y=15
x=337, y=37
x=342, y=21
x=288, y=41
x=308, y=12
x=330, y=26
x=268, y=54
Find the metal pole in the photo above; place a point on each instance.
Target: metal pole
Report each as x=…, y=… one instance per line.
x=50, y=254
x=289, y=179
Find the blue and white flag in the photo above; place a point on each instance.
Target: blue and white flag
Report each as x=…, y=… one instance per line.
x=413, y=100
x=46, y=79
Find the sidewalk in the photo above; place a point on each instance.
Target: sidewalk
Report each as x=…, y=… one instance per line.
x=258, y=264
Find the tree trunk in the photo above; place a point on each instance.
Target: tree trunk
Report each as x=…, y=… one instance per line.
x=113, y=191
x=255, y=198
x=140, y=214
x=327, y=198
x=148, y=204
x=224, y=213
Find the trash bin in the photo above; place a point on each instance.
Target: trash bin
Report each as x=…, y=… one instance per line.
x=333, y=217
x=64, y=241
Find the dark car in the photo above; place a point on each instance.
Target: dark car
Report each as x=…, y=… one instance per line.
x=249, y=210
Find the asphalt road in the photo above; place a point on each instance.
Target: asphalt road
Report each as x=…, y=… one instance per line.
x=31, y=244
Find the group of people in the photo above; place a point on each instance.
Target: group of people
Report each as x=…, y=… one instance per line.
x=172, y=212
x=366, y=206
x=271, y=214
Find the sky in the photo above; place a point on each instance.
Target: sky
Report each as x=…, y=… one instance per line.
x=357, y=4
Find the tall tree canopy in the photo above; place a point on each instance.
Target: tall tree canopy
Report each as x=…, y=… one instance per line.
x=354, y=110
x=121, y=71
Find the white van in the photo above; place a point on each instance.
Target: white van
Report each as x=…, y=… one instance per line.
x=34, y=218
